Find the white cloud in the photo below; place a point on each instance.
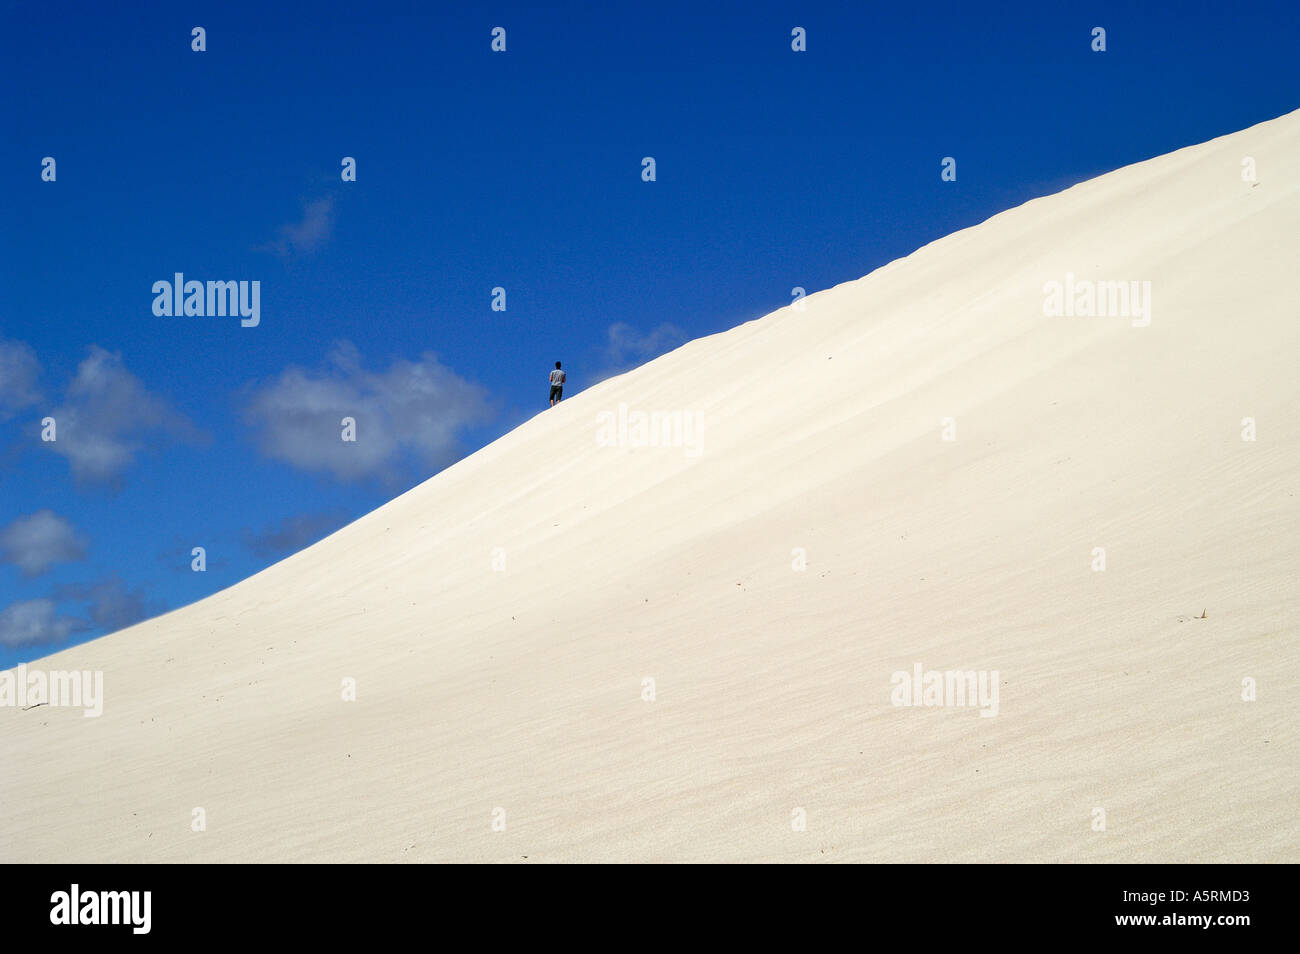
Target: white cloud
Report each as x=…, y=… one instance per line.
x=628, y=344
x=107, y=414
x=111, y=604
x=292, y=534
x=19, y=373
x=626, y=348
x=36, y=621
x=308, y=233
x=415, y=408
x=36, y=542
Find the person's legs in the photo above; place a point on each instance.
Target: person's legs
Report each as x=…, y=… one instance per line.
x=556, y=393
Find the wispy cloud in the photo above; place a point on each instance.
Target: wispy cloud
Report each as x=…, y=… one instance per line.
x=40, y=540
x=36, y=621
x=626, y=347
x=292, y=534
x=106, y=416
x=307, y=234
x=414, y=409
x=111, y=604
x=19, y=373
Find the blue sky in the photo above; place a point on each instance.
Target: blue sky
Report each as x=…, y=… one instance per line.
x=477, y=169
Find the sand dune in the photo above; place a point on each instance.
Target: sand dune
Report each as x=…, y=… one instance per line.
x=521, y=687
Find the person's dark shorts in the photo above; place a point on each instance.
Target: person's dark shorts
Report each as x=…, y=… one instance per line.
x=556, y=391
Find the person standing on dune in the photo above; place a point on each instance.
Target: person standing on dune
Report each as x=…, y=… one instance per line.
x=557, y=385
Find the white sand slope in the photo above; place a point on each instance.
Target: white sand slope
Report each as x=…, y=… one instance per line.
x=521, y=688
